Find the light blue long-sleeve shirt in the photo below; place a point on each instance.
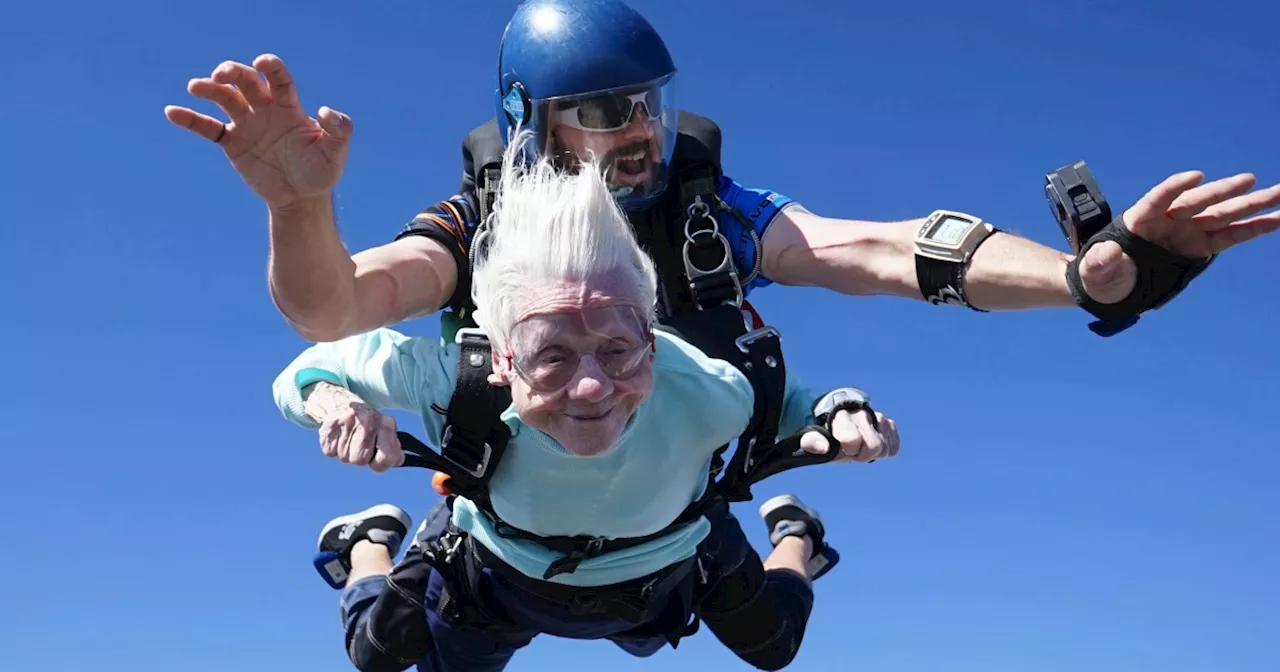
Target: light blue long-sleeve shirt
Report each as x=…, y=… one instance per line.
x=658, y=466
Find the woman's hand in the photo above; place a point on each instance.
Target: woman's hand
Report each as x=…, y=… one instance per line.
x=859, y=440
x=353, y=431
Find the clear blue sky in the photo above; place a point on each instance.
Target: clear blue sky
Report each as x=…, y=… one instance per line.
x=1062, y=501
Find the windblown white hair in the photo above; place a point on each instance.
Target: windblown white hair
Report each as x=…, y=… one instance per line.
x=552, y=225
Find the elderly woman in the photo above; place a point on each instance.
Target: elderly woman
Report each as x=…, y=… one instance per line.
x=613, y=427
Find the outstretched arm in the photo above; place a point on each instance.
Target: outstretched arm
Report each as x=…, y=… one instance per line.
x=326, y=294
x=863, y=258
x=1011, y=273
x=293, y=162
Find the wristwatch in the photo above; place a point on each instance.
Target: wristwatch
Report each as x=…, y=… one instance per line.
x=943, y=245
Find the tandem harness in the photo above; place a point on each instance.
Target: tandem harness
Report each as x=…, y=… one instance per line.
x=701, y=301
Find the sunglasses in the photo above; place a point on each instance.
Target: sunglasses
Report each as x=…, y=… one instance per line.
x=612, y=112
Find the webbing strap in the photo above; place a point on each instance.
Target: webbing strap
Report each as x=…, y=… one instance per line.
x=474, y=438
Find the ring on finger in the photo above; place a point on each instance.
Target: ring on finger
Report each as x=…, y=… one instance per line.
x=221, y=134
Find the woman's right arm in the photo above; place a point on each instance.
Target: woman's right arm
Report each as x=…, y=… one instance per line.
x=383, y=368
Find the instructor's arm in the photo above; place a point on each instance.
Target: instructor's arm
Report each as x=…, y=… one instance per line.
x=293, y=162
x=327, y=294
x=1182, y=214
x=868, y=258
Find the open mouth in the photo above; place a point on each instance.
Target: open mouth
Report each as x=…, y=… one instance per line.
x=632, y=160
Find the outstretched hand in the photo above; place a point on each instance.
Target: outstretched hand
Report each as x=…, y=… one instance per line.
x=1185, y=217
x=283, y=154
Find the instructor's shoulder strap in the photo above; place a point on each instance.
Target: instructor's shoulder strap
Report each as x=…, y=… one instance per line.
x=697, y=142
x=482, y=152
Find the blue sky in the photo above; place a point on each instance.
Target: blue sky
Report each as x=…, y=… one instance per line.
x=1062, y=501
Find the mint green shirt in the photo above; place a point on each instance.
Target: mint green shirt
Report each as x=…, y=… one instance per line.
x=658, y=466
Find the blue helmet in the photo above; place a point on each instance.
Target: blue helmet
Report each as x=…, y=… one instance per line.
x=591, y=77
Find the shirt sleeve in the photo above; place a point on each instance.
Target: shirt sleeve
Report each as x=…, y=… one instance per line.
x=452, y=223
x=385, y=368
x=797, y=410
x=749, y=215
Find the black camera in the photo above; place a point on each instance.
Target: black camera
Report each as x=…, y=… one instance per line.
x=1078, y=205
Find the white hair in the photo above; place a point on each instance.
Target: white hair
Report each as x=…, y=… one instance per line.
x=554, y=225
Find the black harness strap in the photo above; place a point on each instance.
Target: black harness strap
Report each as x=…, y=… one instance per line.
x=474, y=438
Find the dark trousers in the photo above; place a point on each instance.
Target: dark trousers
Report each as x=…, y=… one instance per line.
x=759, y=615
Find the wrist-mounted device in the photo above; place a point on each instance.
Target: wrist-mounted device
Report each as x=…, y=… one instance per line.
x=1085, y=218
x=944, y=244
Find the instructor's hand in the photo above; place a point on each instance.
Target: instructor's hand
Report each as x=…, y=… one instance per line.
x=1185, y=217
x=283, y=154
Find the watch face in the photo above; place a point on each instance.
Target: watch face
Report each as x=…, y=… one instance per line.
x=950, y=231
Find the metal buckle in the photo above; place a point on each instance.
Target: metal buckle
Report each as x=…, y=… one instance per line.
x=694, y=271
x=470, y=331
x=699, y=209
x=479, y=471
x=748, y=339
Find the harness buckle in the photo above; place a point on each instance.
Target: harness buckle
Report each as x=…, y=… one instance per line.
x=478, y=472
x=726, y=262
x=569, y=563
x=472, y=332
x=745, y=341
x=700, y=210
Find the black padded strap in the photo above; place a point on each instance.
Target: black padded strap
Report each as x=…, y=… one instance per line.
x=765, y=367
x=1162, y=275
x=474, y=437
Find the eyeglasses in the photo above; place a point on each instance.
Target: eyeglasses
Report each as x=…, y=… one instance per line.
x=547, y=350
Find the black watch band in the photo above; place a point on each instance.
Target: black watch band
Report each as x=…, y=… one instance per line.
x=942, y=282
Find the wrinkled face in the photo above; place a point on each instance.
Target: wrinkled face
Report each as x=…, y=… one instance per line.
x=630, y=154
x=579, y=363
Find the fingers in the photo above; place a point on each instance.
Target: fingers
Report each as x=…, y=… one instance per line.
x=201, y=124
x=1194, y=201
x=364, y=437
x=814, y=444
x=245, y=79
x=1108, y=274
x=1240, y=232
x=1157, y=201
x=346, y=423
x=337, y=125
x=390, y=454
x=873, y=442
x=278, y=79
x=231, y=101
x=329, y=432
x=1223, y=214
x=892, y=442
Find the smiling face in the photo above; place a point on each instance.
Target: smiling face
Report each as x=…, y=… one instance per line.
x=579, y=363
x=630, y=155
